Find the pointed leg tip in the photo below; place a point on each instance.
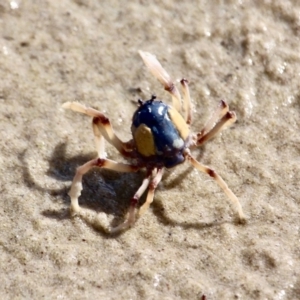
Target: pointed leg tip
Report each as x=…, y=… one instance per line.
x=144, y=53
x=241, y=220
x=74, y=210
x=118, y=229
x=122, y=227
x=66, y=105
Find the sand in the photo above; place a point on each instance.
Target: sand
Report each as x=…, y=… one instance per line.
x=188, y=244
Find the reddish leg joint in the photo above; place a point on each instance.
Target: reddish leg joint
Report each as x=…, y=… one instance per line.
x=184, y=81
x=152, y=186
x=134, y=201
x=223, y=104
x=101, y=119
x=229, y=115
x=100, y=162
x=170, y=88
x=211, y=173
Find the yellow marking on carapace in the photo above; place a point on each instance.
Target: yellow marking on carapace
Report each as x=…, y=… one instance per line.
x=179, y=123
x=144, y=140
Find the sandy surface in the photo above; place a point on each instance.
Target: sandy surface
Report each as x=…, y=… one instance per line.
x=187, y=245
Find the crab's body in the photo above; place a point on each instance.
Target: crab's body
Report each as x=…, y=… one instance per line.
x=160, y=134
x=161, y=139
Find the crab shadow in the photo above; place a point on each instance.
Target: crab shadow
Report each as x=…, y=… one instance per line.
x=159, y=211
x=103, y=190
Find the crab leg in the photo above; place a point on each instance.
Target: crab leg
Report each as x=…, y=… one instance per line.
x=104, y=127
x=152, y=187
x=221, y=110
x=161, y=74
x=134, y=201
x=228, y=119
x=186, y=101
x=76, y=187
x=221, y=183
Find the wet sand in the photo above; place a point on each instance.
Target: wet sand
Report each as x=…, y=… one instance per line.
x=187, y=244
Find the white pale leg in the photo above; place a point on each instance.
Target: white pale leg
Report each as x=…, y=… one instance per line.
x=99, y=142
x=102, y=122
x=221, y=183
x=221, y=110
x=131, y=215
x=228, y=119
x=152, y=187
x=187, y=105
x=164, y=78
x=76, y=187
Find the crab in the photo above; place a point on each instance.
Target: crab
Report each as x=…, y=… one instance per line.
x=161, y=138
